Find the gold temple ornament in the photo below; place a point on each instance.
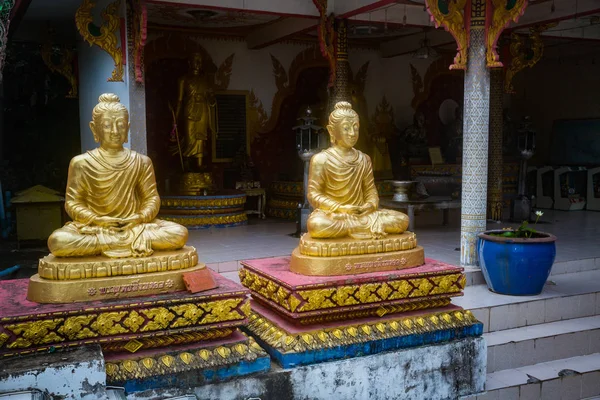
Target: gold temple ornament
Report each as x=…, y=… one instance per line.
x=453, y=22
x=501, y=17
x=106, y=37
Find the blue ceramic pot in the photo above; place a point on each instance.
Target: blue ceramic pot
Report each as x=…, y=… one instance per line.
x=515, y=266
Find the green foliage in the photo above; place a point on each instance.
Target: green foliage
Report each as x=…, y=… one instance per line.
x=524, y=231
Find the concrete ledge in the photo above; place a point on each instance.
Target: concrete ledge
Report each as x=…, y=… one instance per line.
x=444, y=371
x=76, y=374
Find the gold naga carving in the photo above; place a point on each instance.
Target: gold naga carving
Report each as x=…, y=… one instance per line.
x=454, y=23
x=223, y=75
x=501, y=17
x=520, y=55
x=64, y=66
x=104, y=36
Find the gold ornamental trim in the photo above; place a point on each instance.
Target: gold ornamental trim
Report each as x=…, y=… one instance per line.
x=107, y=38
x=135, y=345
x=350, y=247
x=97, y=327
x=454, y=23
x=66, y=268
x=279, y=203
x=138, y=368
x=356, y=294
x=206, y=221
x=501, y=17
x=379, y=312
x=167, y=202
x=287, y=342
x=356, y=264
x=520, y=55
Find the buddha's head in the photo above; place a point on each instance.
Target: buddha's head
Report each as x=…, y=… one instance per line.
x=343, y=125
x=196, y=62
x=110, y=122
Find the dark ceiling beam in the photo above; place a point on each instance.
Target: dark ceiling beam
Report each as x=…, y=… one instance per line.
x=279, y=30
x=16, y=15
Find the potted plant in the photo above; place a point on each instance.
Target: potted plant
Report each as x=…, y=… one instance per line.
x=516, y=261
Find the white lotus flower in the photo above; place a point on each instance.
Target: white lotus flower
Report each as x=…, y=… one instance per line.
x=539, y=213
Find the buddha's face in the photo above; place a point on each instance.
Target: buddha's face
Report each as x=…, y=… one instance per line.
x=345, y=132
x=111, y=129
x=196, y=63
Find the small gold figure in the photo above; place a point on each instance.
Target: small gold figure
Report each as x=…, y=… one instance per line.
x=197, y=99
x=341, y=187
x=112, y=197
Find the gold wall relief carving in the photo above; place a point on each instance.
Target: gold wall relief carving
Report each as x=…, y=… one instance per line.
x=64, y=65
x=350, y=295
x=454, y=23
x=501, y=17
x=104, y=36
x=135, y=345
x=287, y=342
x=521, y=58
x=215, y=357
x=422, y=85
x=143, y=321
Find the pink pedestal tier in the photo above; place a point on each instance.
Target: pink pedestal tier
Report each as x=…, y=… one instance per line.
x=309, y=299
x=131, y=324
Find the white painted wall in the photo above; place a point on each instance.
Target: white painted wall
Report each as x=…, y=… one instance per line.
x=95, y=67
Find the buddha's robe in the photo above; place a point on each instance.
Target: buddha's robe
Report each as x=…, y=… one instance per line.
x=100, y=186
x=335, y=181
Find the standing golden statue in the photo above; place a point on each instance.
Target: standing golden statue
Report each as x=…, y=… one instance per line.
x=346, y=229
x=196, y=99
x=114, y=242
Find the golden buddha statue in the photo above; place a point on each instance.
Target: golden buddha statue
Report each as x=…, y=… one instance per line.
x=112, y=197
x=346, y=220
x=114, y=245
x=197, y=100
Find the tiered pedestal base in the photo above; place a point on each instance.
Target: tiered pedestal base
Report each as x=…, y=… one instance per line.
x=196, y=212
x=130, y=324
x=80, y=279
x=304, y=319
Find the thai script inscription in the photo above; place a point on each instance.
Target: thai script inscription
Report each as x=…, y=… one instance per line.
x=396, y=262
x=134, y=286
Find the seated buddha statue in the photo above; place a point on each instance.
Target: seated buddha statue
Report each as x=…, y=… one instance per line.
x=341, y=187
x=112, y=197
x=347, y=232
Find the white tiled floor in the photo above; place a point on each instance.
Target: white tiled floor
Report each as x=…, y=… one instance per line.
x=578, y=235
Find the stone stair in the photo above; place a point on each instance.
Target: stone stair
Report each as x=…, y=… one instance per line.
x=541, y=347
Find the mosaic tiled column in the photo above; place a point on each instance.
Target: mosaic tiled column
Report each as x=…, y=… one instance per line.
x=495, y=203
x=5, y=9
x=342, y=66
x=475, y=139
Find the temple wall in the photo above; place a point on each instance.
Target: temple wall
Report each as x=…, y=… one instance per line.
x=550, y=91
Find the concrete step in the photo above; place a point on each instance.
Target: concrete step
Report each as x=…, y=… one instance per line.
x=568, y=296
x=565, y=379
x=514, y=348
x=475, y=276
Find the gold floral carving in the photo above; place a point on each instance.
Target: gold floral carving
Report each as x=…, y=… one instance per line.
x=519, y=54
x=196, y=203
x=184, y=361
x=57, y=268
x=350, y=295
x=332, y=248
x=107, y=39
x=63, y=67
x=212, y=220
x=501, y=17
x=100, y=325
x=166, y=341
x=453, y=22
x=287, y=342
x=34, y=333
